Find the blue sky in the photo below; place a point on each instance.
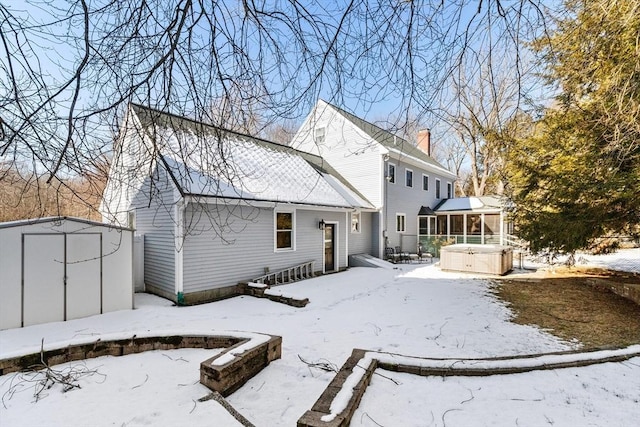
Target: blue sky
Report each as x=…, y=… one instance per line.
x=384, y=64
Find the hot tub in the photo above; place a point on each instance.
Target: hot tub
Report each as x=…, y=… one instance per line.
x=488, y=259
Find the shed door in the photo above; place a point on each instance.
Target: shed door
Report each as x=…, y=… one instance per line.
x=43, y=278
x=83, y=275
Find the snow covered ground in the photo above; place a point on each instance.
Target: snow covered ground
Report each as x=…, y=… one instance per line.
x=416, y=310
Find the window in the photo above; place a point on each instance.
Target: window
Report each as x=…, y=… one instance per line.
x=437, y=188
x=442, y=225
x=457, y=224
x=473, y=224
x=131, y=219
x=401, y=220
x=318, y=135
x=423, y=224
x=432, y=225
x=491, y=224
x=449, y=195
x=284, y=230
x=134, y=146
x=425, y=182
x=355, y=222
x=391, y=173
x=408, y=180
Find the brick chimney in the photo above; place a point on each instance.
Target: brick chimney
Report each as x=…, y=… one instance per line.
x=424, y=141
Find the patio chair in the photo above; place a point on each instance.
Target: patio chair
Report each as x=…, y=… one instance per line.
x=424, y=255
x=390, y=255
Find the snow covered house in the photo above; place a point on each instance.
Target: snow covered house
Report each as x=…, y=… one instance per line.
x=401, y=179
x=217, y=207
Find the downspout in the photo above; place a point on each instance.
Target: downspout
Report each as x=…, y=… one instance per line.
x=179, y=210
x=385, y=190
x=347, y=234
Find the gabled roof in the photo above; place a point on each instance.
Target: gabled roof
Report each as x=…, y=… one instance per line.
x=483, y=203
x=389, y=140
x=426, y=211
x=208, y=161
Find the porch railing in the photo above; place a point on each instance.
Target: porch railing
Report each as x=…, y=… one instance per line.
x=516, y=242
x=287, y=275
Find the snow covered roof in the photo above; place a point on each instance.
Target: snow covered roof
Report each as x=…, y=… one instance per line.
x=208, y=161
x=483, y=203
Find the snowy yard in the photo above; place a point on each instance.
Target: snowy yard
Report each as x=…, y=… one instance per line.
x=415, y=310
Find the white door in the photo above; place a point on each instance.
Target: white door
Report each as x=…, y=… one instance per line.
x=43, y=278
x=83, y=275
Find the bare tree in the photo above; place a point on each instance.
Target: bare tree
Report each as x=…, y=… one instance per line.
x=487, y=101
x=69, y=68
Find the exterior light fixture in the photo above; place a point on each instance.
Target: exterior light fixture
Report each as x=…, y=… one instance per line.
x=321, y=224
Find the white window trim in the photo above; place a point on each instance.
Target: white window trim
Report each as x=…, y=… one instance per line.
x=359, y=230
x=275, y=230
x=404, y=222
x=423, y=177
x=391, y=181
x=449, y=190
x=406, y=181
x=320, y=132
x=438, y=189
x=131, y=219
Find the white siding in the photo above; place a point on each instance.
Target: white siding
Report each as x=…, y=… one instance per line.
x=361, y=243
x=347, y=149
x=228, y=244
x=130, y=168
x=154, y=207
x=136, y=183
x=408, y=200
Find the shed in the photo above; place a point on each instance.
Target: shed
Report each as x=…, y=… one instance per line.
x=61, y=268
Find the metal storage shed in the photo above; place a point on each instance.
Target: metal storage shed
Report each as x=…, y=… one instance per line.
x=54, y=269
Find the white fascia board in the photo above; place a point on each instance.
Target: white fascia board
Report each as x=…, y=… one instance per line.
x=468, y=211
x=404, y=157
x=273, y=204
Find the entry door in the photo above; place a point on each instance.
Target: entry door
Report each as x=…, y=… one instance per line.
x=329, y=247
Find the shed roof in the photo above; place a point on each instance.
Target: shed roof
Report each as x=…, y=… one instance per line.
x=209, y=161
x=31, y=221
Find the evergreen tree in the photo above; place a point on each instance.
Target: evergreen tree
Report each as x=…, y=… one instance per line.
x=577, y=177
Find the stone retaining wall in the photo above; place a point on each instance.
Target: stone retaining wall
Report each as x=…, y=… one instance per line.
x=224, y=379
x=322, y=407
x=625, y=290
x=261, y=292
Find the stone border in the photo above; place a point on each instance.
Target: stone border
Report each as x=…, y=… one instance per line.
x=355, y=375
x=242, y=358
x=630, y=291
x=260, y=290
